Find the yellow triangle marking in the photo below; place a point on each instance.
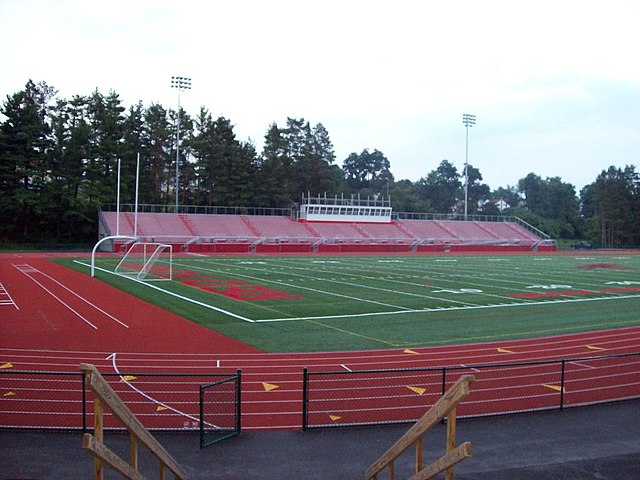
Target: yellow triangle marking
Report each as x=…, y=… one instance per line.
x=418, y=390
x=269, y=386
x=504, y=350
x=555, y=387
x=9, y=394
x=6, y=365
x=591, y=347
x=128, y=378
x=408, y=350
x=160, y=408
x=335, y=418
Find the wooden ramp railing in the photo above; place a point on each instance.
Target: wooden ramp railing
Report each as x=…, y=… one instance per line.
x=444, y=407
x=106, y=396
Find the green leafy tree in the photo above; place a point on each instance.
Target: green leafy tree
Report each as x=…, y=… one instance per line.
x=157, y=143
x=477, y=192
x=368, y=170
x=25, y=145
x=612, y=206
x=441, y=187
x=224, y=166
x=552, y=199
x=277, y=187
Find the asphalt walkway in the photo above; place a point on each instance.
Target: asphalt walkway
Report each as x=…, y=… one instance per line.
x=598, y=442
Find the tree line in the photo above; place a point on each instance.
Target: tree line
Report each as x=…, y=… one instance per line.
x=59, y=160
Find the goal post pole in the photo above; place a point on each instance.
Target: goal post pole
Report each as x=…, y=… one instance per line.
x=100, y=242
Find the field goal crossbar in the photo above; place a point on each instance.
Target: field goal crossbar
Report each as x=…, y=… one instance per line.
x=144, y=258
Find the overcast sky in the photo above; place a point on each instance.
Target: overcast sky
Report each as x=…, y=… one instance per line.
x=555, y=85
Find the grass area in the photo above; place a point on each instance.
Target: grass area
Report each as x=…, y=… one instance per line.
x=318, y=303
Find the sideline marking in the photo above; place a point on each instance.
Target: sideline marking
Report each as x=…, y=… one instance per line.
x=181, y=297
x=452, y=309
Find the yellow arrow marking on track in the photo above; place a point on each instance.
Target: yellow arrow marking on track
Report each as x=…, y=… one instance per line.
x=269, y=386
x=160, y=408
x=334, y=418
x=408, y=350
x=504, y=350
x=128, y=378
x=555, y=387
x=6, y=365
x=591, y=347
x=9, y=394
x=418, y=390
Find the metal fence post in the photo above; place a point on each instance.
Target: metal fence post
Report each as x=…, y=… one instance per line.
x=84, y=405
x=305, y=400
x=239, y=401
x=562, y=384
x=444, y=380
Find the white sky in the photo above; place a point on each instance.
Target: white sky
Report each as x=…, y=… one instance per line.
x=554, y=84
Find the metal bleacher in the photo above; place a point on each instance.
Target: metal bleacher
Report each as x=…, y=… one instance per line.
x=273, y=233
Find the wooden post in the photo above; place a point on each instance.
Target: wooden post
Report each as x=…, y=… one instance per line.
x=99, y=434
x=419, y=454
x=451, y=439
x=133, y=451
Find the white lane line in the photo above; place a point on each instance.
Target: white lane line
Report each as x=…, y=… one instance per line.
x=28, y=271
x=93, y=305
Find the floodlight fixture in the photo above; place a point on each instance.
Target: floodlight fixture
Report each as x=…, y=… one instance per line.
x=468, y=120
x=182, y=84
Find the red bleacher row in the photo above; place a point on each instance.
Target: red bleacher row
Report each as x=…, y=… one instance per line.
x=278, y=234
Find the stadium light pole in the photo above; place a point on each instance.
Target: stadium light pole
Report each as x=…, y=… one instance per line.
x=468, y=121
x=181, y=83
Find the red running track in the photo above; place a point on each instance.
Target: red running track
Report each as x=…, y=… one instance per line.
x=57, y=318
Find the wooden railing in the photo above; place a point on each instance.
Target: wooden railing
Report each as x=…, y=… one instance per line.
x=444, y=407
x=106, y=396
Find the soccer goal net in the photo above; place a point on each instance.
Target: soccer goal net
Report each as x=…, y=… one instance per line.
x=147, y=261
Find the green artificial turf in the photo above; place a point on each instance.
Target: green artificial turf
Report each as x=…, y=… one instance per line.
x=321, y=303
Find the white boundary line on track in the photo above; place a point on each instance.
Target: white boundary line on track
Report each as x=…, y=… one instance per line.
x=112, y=357
x=181, y=297
x=35, y=270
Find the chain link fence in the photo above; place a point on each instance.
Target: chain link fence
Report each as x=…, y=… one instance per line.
x=375, y=397
x=172, y=402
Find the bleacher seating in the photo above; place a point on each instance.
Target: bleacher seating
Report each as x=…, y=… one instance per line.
x=242, y=233
x=220, y=226
x=280, y=227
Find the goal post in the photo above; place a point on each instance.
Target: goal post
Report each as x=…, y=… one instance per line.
x=147, y=261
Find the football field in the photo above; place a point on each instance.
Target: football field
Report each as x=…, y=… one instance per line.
x=314, y=303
